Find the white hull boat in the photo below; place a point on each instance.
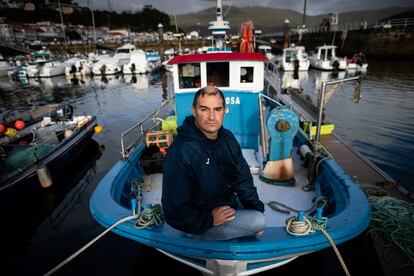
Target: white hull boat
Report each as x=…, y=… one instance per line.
x=326, y=59
x=52, y=69
x=292, y=57
x=138, y=63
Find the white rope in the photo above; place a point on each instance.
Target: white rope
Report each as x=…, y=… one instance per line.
x=304, y=227
x=341, y=260
x=298, y=228
x=71, y=257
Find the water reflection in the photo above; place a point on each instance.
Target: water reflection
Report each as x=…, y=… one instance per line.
x=139, y=82
x=53, y=204
x=291, y=80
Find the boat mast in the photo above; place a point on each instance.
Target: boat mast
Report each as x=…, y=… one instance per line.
x=219, y=27
x=61, y=22
x=304, y=14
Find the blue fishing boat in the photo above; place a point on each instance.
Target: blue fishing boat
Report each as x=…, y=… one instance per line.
x=308, y=196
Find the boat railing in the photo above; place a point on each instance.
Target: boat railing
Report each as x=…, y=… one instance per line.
x=272, y=76
x=154, y=117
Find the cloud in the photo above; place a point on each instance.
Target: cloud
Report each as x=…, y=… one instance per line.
x=314, y=7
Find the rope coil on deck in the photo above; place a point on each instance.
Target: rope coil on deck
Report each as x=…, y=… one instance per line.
x=312, y=225
x=151, y=216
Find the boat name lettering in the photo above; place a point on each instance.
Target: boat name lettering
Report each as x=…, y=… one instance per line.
x=232, y=100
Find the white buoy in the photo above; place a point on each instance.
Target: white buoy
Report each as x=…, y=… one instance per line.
x=44, y=176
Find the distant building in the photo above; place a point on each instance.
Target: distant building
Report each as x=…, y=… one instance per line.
x=194, y=35
x=29, y=6
x=48, y=31
x=333, y=21
x=66, y=8
x=12, y=4
x=6, y=32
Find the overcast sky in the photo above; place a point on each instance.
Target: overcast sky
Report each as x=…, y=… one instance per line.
x=314, y=7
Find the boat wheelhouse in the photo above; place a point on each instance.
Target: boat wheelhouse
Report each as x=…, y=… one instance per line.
x=238, y=75
x=292, y=57
x=325, y=59
x=267, y=51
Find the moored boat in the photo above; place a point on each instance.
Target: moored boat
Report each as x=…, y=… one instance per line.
x=325, y=59
x=269, y=134
x=52, y=69
x=107, y=65
x=138, y=63
x=5, y=67
x=30, y=154
x=294, y=58
x=357, y=62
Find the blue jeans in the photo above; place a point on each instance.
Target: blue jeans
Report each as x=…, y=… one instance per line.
x=247, y=223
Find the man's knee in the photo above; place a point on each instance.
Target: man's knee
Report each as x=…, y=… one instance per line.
x=259, y=221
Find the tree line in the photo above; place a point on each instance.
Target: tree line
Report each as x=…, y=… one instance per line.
x=145, y=20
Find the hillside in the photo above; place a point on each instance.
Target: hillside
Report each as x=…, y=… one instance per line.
x=271, y=20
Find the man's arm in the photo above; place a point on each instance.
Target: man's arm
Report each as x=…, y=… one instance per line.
x=179, y=211
x=242, y=183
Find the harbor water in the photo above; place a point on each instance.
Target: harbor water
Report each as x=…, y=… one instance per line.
x=55, y=225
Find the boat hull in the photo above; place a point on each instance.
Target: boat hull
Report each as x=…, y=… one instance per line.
x=276, y=243
x=22, y=186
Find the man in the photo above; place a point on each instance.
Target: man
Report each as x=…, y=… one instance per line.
x=208, y=190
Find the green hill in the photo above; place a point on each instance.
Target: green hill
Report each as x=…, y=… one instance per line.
x=271, y=20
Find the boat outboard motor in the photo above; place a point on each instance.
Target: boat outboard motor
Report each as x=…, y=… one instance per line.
x=282, y=125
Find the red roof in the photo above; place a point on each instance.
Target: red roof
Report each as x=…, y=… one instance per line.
x=217, y=57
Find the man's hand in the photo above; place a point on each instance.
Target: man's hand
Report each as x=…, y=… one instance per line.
x=222, y=214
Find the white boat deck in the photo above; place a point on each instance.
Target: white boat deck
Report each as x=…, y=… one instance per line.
x=293, y=197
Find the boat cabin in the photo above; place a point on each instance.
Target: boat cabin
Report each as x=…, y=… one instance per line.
x=326, y=52
x=239, y=75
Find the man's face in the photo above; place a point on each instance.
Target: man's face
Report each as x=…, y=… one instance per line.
x=209, y=114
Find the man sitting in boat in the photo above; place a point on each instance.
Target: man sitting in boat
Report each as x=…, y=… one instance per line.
x=208, y=190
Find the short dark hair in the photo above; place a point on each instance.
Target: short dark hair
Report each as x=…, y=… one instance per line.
x=202, y=92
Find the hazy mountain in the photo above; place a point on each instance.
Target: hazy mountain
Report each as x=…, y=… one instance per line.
x=271, y=20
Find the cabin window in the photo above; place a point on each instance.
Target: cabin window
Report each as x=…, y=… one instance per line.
x=218, y=74
x=189, y=75
x=291, y=56
x=246, y=74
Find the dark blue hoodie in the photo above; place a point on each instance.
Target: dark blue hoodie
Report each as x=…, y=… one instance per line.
x=200, y=174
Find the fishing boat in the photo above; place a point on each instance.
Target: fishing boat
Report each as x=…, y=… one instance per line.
x=267, y=51
x=325, y=59
x=123, y=53
x=138, y=63
x=288, y=169
x=5, y=67
x=107, y=65
x=294, y=58
x=357, y=62
x=52, y=69
x=31, y=156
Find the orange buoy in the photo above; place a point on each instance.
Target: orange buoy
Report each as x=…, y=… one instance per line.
x=19, y=124
x=10, y=132
x=2, y=128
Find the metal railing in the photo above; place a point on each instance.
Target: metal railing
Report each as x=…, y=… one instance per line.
x=156, y=120
x=356, y=25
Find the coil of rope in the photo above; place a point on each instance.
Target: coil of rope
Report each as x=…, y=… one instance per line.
x=150, y=216
x=305, y=226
